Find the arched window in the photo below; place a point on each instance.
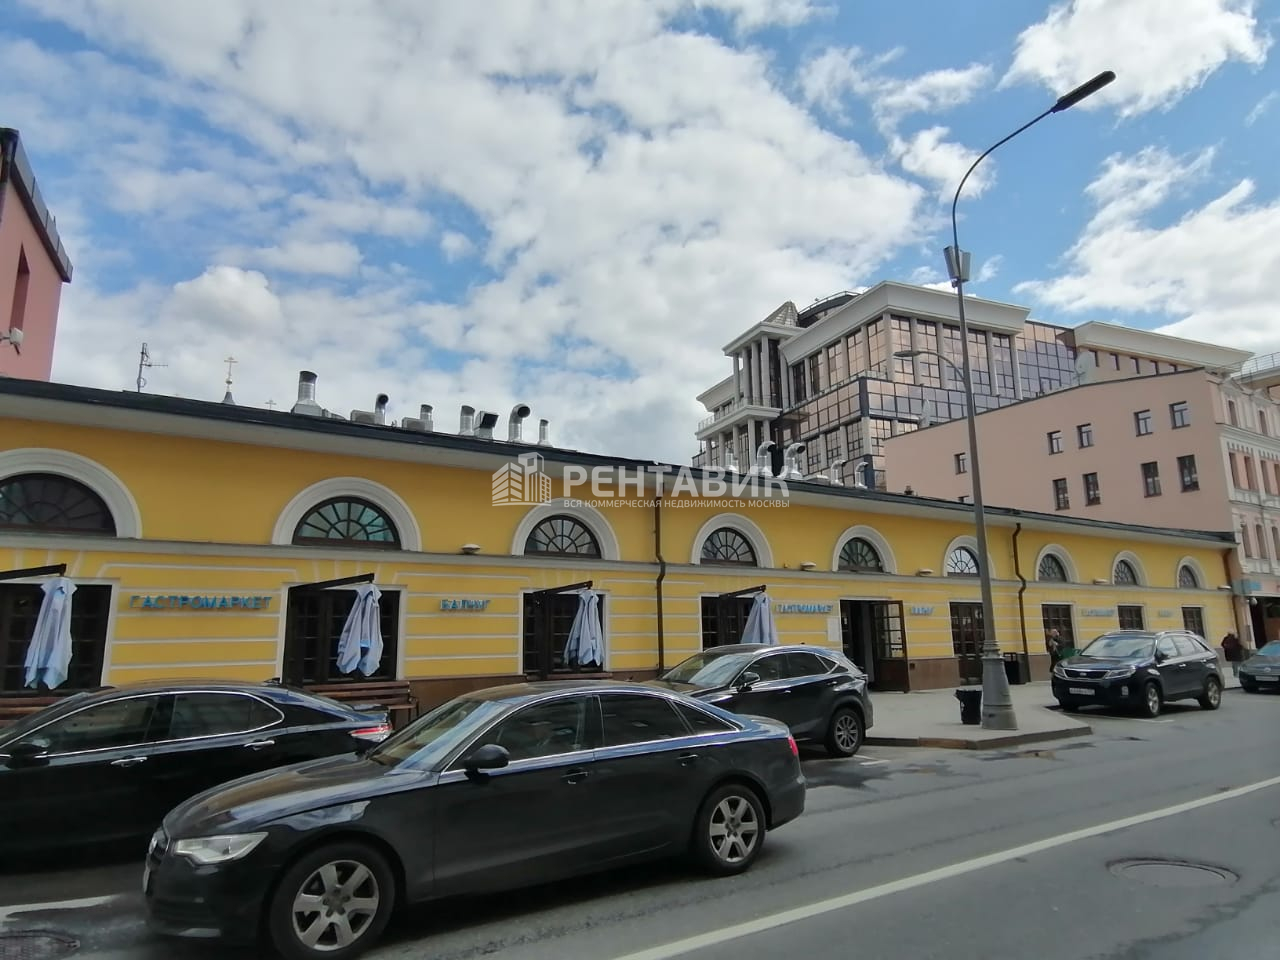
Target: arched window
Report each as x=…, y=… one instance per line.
x=1051, y=568
x=1187, y=578
x=860, y=555
x=346, y=521
x=52, y=503
x=727, y=545
x=962, y=562
x=1124, y=574
x=563, y=536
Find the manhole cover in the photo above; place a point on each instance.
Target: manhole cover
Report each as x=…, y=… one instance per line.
x=1173, y=873
x=35, y=945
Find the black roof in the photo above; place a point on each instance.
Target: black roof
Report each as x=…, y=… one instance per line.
x=208, y=410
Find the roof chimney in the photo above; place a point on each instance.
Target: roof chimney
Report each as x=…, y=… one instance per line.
x=306, y=403
x=424, y=414
x=543, y=427
x=515, y=422
x=380, y=408
x=484, y=423
x=466, y=421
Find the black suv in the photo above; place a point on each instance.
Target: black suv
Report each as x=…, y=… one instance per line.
x=1142, y=669
x=817, y=692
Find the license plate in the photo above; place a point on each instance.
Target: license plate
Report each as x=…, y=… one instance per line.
x=1080, y=692
x=1268, y=679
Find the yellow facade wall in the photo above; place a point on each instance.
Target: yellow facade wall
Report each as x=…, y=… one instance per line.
x=208, y=509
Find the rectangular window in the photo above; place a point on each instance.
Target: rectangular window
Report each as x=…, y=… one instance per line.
x=1084, y=435
x=313, y=626
x=1193, y=620
x=724, y=619
x=1244, y=540
x=1231, y=413
x=1235, y=470
x=962, y=463
x=1180, y=414
x=1130, y=616
x=1055, y=441
x=1092, y=493
x=966, y=640
x=1061, y=498
x=1187, y=473
x=1262, y=423
x=19, y=608
x=1142, y=422
x=1151, y=479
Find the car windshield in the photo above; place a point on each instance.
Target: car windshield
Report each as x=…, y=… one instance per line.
x=1120, y=646
x=1271, y=649
x=707, y=669
x=437, y=733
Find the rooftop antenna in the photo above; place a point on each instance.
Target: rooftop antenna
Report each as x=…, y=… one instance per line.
x=271, y=404
x=230, y=362
x=144, y=360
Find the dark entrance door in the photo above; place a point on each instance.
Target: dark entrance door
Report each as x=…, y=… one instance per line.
x=966, y=640
x=19, y=607
x=1057, y=616
x=314, y=625
x=873, y=636
x=548, y=618
x=725, y=617
x=1130, y=616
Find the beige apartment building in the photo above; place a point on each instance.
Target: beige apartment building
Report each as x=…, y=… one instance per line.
x=1197, y=448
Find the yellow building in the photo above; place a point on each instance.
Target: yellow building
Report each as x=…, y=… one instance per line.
x=192, y=531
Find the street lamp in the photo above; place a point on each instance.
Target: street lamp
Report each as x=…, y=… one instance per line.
x=997, y=703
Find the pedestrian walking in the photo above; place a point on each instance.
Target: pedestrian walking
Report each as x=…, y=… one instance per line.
x=1053, y=644
x=1233, y=650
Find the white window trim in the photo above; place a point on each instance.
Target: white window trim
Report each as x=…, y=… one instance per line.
x=734, y=521
x=873, y=537
x=1138, y=568
x=282, y=604
x=605, y=621
x=1060, y=553
x=123, y=507
x=382, y=497
x=589, y=517
x=972, y=543
x=1198, y=570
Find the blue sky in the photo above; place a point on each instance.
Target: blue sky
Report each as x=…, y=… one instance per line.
x=575, y=204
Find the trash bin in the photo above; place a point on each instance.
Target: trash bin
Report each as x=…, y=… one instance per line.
x=1016, y=668
x=970, y=706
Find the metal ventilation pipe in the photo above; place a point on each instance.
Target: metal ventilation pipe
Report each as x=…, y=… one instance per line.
x=730, y=462
x=424, y=413
x=762, y=467
x=790, y=463
x=306, y=403
x=515, y=422
x=544, y=439
x=380, y=408
x=834, y=471
x=466, y=421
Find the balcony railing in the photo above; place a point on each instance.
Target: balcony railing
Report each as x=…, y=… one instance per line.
x=733, y=408
x=1270, y=361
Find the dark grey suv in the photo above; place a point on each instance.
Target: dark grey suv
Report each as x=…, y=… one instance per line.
x=817, y=692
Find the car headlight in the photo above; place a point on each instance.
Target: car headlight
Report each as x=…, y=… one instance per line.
x=208, y=850
x=1119, y=673
x=1059, y=671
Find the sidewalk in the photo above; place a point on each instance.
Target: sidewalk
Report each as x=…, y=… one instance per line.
x=931, y=718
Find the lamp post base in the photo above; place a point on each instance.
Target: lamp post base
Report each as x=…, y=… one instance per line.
x=997, y=702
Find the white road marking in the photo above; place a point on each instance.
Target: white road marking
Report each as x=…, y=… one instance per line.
x=701, y=941
x=17, y=908
x=872, y=763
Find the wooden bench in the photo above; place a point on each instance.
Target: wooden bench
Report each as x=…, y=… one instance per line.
x=394, y=696
x=14, y=708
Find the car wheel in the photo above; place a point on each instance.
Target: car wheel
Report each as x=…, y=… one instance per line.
x=334, y=902
x=844, y=734
x=1151, y=700
x=1211, y=699
x=729, y=831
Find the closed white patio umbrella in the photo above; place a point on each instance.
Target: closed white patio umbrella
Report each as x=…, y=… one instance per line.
x=586, y=636
x=760, y=627
x=360, y=645
x=49, y=654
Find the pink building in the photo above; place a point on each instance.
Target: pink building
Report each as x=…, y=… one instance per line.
x=1199, y=448
x=33, y=268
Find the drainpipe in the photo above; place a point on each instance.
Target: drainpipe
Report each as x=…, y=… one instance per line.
x=662, y=574
x=1022, y=607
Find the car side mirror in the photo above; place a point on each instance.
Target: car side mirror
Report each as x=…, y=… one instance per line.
x=748, y=680
x=29, y=754
x=1161, y=656
x=491, y=756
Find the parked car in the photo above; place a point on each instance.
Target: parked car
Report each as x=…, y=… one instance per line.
x=1262, y=670
x=819, y=693
x=107, y=765
x=494, y=790
x=1142, y=669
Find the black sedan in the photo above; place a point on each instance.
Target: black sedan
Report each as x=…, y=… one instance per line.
x=817, y=692
x=1262, y=670
x=494, y=790
x=1142, y=669
x=107, y=765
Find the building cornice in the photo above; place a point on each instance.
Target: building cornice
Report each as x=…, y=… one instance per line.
x=1113, y=337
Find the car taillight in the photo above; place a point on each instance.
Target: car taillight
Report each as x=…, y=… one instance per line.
x=791, y=742
x=380, y=732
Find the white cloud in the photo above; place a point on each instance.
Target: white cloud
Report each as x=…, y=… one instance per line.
x=1261, y=107
x=1160, y=51
x=456, y=245
x=1216, y=269
x=642, y=195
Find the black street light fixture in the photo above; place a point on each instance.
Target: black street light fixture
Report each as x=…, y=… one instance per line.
x=997, y=704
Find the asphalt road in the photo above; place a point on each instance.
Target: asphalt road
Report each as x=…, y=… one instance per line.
x=901, y=853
